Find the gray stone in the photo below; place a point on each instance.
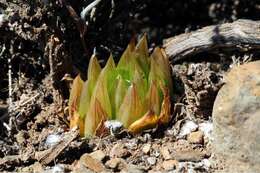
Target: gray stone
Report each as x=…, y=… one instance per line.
x=236, y=119
x=119, y=151
x=116, y=163
x=189, y=155
x=132, y=169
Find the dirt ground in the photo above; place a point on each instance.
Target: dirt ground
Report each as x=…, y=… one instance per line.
x=43, y=41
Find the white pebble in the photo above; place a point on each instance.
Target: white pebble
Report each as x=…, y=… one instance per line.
x=3, y=18
x=113, y=125
x=187, y=128
x=52, y=140
x=206, y=128
x=57, y=169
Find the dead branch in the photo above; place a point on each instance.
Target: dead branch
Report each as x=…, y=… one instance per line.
x=87, y=9
x=242, y=35
x=10, y=100
x=80, y=23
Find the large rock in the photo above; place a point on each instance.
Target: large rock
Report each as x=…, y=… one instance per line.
x=236, y=119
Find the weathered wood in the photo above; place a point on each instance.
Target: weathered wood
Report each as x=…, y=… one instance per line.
x=243, y=35
x=47, y=156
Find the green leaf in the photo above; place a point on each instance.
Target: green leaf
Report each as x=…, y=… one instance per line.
x=125, y=59
x=101, y=90
x=141, y=82
x=160, y=72
x=74, y=101
x=94, y=70
x=126, y=64
x=142, y=46
x=95, y=116
x=100, y=105
x=120, y=94
x=112, y=83
x=153, y=98
x=142, y=55
x=131, y=108
x=160, y=69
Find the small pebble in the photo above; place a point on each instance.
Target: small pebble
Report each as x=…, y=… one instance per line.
x=20, y=137
x=91, y=163
x=146, y=137
x=57, y=169
x=151, y=160
x=187, y=128
x=169, y=132
x=189, y=155
x=116, y=163
x=206, y=128
x=195, y=137
x=206, y=163
x=52, y=140
x=132, y=144
x=165, y=153
x=146, y=148
x=119, y=151
x=170, y=164
x=132, y=169
x=114, y=126
x=99, y=155
x=3, y=19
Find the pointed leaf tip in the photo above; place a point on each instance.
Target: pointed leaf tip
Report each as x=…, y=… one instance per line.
x=142, y=46
x=160, y=68
x=126, y=60
x=94, y=68
x=110, y=62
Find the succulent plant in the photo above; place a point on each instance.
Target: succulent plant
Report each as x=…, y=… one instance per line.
x=135, y=92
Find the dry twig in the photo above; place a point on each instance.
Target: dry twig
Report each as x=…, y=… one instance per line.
x=47, y=156
x=243, y=35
